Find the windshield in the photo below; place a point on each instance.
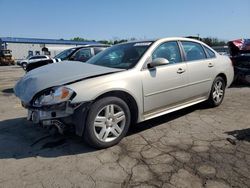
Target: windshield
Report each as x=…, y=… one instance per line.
x=65, y=54
x=122, y=56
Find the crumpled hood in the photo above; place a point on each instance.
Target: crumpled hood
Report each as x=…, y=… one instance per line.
x=54, y=75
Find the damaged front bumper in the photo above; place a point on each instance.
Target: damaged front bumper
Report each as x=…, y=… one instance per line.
x=60, y=115
x=39, y=114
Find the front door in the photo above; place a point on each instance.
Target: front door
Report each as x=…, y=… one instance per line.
x=164, y=86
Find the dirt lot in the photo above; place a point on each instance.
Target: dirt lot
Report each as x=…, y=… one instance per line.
x=187, y=149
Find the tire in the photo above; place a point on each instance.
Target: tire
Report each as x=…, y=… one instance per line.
x=107, y=123
x=217, y=92
x=24, y=65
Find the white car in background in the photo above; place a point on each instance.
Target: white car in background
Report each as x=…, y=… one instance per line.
x=124, y=85
x=32, y=59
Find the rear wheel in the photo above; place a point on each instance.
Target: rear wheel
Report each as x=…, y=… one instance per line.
x=217, y=92
x=107, y=123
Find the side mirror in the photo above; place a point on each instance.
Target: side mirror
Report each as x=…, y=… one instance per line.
x=158, y=62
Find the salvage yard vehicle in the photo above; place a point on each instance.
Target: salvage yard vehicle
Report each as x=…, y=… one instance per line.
x=241, y=68
x=36, y=58
x=240, y=56
x=123, y=85
x=6, y=57
x=80, y=53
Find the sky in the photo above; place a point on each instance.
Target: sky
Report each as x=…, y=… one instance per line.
x=124, y=19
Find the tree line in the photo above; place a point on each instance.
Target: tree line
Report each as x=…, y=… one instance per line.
x=208, y=40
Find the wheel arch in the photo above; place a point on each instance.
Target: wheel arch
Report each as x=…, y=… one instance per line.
x=128, y=98
x=223, y=76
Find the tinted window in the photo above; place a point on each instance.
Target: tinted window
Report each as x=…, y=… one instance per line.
x=41, y=57
x=210, y=53
x=32, y=58
x=169, y=51
x=35, y=57
x=98, y=49
x=82, y=55
x=65, y=54
x=38, y=57
x=194, y=51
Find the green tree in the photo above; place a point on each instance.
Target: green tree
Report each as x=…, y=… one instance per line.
x=82, y=39
x=78, y=39
x=214, y=41
x=105, y=42
x=120, y=41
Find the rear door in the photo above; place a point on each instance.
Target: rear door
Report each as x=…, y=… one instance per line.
x=200, y=69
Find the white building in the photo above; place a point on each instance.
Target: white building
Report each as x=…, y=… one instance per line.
x=21, y=48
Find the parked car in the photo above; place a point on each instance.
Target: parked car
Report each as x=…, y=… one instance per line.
x=81, y=53
x=24, y=63
x=123, y=85
x=241, y=69
x=240, y=56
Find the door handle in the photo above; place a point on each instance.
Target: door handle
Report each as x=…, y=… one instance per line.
x=210, y=65
x=180, y=71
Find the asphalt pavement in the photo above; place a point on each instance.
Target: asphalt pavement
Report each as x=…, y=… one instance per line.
x=192, y=148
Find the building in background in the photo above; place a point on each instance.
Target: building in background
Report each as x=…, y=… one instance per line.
x=21, y=48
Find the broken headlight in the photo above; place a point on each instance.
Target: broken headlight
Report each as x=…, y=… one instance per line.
x=54, y=96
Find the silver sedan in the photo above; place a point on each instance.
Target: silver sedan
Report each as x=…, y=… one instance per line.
x=123, y=85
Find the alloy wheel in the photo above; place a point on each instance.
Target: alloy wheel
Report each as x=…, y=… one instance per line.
x=218, y=91
x=109, y=123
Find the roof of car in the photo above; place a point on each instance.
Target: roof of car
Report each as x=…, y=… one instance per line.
x=92, y=45
x=89, y=45
x=166, y=38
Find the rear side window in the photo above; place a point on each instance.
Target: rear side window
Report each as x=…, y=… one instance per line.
x=41, y=57
x=193, y=51
x=35, y=57
x=38, y=57
x=210, y=53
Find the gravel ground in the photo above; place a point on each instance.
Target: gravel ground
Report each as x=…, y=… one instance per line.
x=191, y=148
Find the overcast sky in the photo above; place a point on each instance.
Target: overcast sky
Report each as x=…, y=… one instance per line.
x=110, y=19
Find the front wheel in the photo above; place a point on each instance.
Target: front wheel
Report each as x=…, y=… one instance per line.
x=107, y=123
x=217, y=92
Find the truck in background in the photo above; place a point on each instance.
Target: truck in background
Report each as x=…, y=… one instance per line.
x=6, y=57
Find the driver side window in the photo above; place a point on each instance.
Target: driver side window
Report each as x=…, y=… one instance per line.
x=169, y=51
x=82, y=55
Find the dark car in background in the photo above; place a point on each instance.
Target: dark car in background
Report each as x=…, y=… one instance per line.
x=240, y=56
x=81, y=53
x=241, y=65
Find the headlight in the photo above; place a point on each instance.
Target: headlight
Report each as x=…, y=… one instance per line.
x=55, y=96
